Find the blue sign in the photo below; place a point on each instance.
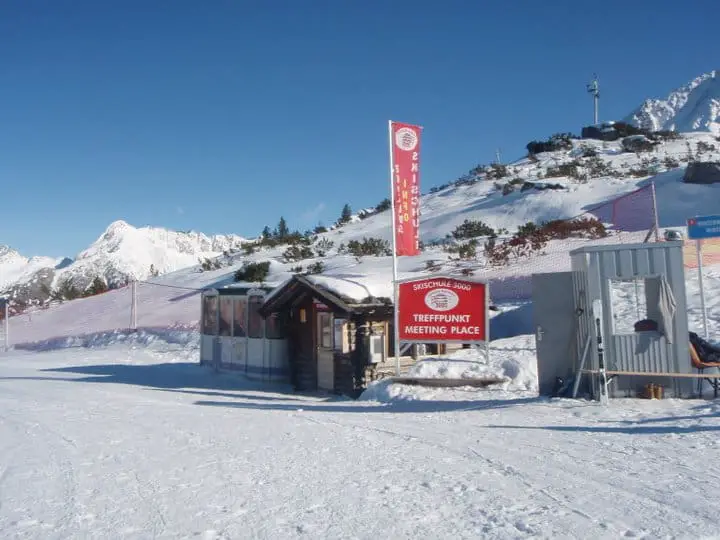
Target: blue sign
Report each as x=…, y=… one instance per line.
x=702, y=227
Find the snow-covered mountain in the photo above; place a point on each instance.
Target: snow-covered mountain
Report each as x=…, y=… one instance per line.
x=15, y=267
x=121, y=253
x=692, y=107
x=125, y=252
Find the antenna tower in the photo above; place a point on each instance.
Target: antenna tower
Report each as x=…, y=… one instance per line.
x=594, y=89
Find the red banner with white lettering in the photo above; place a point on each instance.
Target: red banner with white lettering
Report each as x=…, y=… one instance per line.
x=405, y=156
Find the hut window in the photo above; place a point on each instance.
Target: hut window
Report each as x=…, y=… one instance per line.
x=340, y=335
x=226, y=315
x=628, y=304
x=240, y=318
x=255, y=320
x=326, y=330
x=275, y=326
x=210, y=315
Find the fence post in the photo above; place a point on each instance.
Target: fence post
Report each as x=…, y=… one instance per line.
x=656, y=221
x=5, y=304
x=133, y=306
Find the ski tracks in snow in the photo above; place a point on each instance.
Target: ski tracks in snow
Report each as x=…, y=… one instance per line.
x=602, y=495
x=132, y=461
x=480, y=497
x=48, y=453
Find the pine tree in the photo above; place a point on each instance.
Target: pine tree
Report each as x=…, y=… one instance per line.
x=282, y=230
x=266, y=232
x=346, y=214
x=97, y=286
x=383, y=205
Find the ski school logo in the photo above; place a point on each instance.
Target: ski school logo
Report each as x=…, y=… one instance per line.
x=406, y=139
x=442, y=300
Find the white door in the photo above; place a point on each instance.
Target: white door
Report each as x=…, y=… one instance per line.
x=325, y=356
x=555, y=326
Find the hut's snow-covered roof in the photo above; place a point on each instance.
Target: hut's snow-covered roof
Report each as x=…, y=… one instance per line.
x=355, y=288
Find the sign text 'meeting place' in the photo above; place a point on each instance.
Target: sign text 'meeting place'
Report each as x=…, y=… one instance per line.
x=420, y=330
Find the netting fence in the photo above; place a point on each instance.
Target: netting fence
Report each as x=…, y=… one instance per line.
x=630, y=218
x=166, y=310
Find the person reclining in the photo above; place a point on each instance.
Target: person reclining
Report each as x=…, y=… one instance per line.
x=707, y=352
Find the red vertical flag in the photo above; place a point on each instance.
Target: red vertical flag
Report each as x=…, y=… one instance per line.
x=405, y=160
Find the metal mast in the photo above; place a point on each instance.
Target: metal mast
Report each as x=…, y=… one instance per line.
x=594, y=89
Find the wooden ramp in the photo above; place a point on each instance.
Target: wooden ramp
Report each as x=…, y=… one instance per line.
x=448, y=383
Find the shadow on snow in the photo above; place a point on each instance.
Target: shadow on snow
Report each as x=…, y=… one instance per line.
x=193, y=379
x=399, y=406
x=180, y=377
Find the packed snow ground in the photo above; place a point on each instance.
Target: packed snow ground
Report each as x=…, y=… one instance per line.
x=139, y=441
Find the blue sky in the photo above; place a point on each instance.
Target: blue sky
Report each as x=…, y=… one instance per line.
x=222, y=116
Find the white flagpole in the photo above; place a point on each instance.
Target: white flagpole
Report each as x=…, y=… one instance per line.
x=703, y=307
x=396, y=320
x=656, y=224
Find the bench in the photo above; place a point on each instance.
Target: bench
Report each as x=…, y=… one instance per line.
x=697, y=363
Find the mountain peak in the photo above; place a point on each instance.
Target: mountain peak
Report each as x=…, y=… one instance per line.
x=694, y=106
x=116, y=227
x=8, y=254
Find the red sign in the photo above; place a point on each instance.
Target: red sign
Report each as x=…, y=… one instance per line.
x=405, y=160
x=440, y=309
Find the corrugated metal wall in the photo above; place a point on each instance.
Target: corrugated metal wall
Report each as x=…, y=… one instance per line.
x=642, y=351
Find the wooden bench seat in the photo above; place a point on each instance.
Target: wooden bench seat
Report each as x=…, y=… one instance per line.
x=697, y=363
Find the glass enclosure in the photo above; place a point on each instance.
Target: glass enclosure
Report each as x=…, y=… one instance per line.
x=239, y=316
x=210, y=319
x=226, y=315
x=255, y=320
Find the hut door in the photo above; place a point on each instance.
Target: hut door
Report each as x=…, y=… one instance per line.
x=555, y=327
x=325, y=354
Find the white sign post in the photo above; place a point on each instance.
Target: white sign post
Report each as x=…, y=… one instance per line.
x=698, y=250
x=698, y=229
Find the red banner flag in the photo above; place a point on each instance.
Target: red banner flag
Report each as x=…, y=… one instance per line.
x=405, y=164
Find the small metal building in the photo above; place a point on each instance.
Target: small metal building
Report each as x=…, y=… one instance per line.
x=633, y=297
x=235, y=336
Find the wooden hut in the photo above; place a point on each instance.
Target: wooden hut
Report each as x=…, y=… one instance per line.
x=335, y=339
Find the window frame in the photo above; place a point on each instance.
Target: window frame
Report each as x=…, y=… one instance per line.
x=240, y=330
x=322, y=333
x=276, y=326
x=210, y=299
x=225, y=301
x=639, y=295
x=254, y=317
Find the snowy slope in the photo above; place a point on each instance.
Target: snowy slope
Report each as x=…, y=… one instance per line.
x=443, y=211
x=692, y=107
